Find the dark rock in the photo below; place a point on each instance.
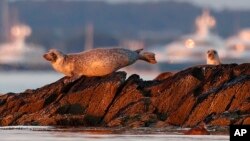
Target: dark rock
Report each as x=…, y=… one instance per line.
x=213, y=95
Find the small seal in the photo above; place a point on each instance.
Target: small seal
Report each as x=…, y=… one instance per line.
x=96, y=62
x=213, y=57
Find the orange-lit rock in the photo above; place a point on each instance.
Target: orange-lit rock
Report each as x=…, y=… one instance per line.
x=199, y=130
x=214, y=95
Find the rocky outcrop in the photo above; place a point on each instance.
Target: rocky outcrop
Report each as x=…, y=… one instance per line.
x=214, y=95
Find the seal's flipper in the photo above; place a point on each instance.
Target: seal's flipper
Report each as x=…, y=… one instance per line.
x=138, y=50
x=148, y=57
x=71, y=79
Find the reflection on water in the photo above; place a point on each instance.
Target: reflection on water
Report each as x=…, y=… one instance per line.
x=29, y=133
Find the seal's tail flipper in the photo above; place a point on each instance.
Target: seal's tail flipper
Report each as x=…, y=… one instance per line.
x=138, y=50
x=148, y=56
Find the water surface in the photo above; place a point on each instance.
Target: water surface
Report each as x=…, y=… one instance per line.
x=19, y=81
x=31, y=133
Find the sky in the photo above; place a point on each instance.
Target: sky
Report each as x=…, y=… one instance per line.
x=214, y=4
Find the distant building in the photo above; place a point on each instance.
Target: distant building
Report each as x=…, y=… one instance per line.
x=18, y=53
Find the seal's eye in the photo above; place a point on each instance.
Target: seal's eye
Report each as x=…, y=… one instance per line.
x=215, y=52
x=54, y=56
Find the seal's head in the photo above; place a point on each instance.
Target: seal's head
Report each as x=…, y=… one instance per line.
x=213, y=57
x=53, y=55
x=211, y=54
x=57, y=60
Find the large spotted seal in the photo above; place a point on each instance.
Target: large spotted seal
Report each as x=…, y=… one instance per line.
x=213, y=57
x=96, y=62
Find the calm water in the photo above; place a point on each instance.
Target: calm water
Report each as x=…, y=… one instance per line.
x=29, y=133
x=19, y=81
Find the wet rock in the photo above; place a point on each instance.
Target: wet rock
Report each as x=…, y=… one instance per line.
x=213, y=95
x=246, y=121
x=199, y=130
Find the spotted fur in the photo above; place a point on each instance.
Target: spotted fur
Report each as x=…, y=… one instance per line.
x=96, y=62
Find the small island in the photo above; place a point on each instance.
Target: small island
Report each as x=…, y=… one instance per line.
x=211, y=95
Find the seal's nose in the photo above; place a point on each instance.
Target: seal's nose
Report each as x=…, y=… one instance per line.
x=209, y=54
x=45, y=56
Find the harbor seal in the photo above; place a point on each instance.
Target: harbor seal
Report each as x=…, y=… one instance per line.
x=213, y=57
x=96, y=62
